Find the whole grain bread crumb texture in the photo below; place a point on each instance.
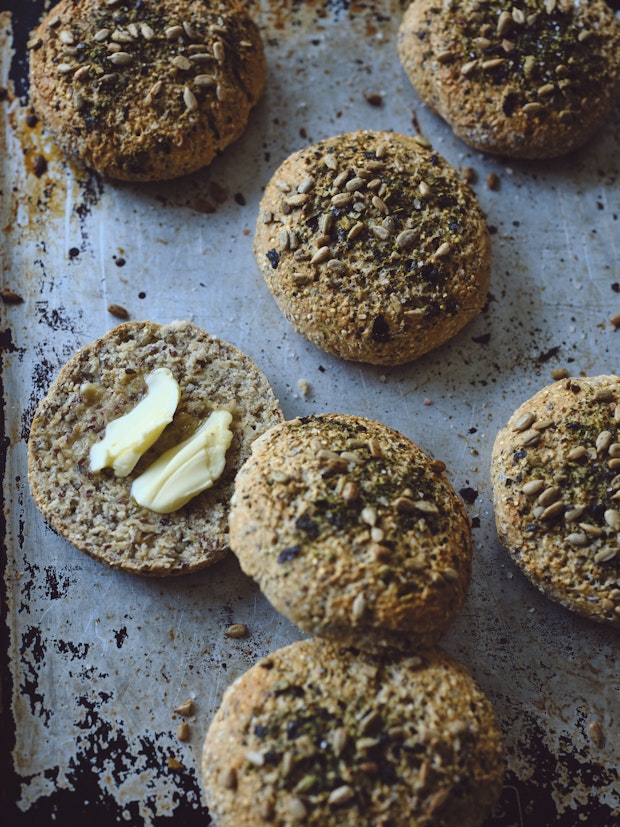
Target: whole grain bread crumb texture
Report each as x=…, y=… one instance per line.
x=556, y=487
x=352, y=532
x=525, y=79
x=146, y=91
x=373, y=247
x=319, y=735
x=102, y=382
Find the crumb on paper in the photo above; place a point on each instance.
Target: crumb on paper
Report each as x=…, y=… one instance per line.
x=174, y=764
x=493, y=181
x=183, y=731
x=304, y=387
x=615, y=320
x=185, y=708
x=374, y=98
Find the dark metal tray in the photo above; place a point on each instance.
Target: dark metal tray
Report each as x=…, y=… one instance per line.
x=94, y=662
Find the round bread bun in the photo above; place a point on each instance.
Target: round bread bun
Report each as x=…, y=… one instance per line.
x=373, y=247
x=352, y=532
x=146, y=91
x=533, y=79
x=556, y=487
x=323, y=736
x=100, y=383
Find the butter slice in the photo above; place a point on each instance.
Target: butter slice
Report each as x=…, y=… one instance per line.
x=187, y=469
x=129, y=436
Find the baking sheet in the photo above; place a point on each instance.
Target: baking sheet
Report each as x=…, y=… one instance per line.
x=94, y=662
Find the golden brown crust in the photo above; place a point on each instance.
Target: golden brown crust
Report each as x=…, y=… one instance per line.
x=144, y=92
x=352, y=532
x=324, y=736
x=556, y=486
x=372, y=247
x=532, y=79
x=105, y=380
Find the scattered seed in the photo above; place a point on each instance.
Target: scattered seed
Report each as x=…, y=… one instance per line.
x=181, y=62
x=445, y=57
x=298, y=199
x=530, y=438
x=450, y=574
x=592, y=530
x=468, y=68
x=373, y=98
x=350, y=492
x=574, y=514
x=492, y=63
x=493, y=181
x=185, y=708
x=406, y=239
x=173, y=32
x=322, y=254
x=552, y=511
x=218, y=51
x=65, y=36
x=204, y=81
x=82, y=73
x=237, y=630
x=189, y=99
x=341, y=795
x=549, y=495
x=603, y=441
x=426, y=507
x=10, y=297
x=612, y=518
x=533, y=487
x=118, y=310
x=577, y=453
x=504, y=23
x=146, y=31
x=577, y=539
x=359, y=607
x=533, y=108
x=597, y=734
x=120, y=58
x=229, y=779
x=379, y=204
x=605, y=555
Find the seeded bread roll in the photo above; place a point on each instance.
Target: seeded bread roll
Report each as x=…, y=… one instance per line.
x=100, y=383
x=556, y=486
x=352, y=532
x=323, y=736
x=372, y=247
x=531, y=79
x=146, y=91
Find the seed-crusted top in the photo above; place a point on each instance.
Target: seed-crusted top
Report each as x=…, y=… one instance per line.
x=102, y=382
x=352, y=532
x=146, y=91
x=372, y=246
x=556, y=486
x=322, y=736
x=527, y=79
